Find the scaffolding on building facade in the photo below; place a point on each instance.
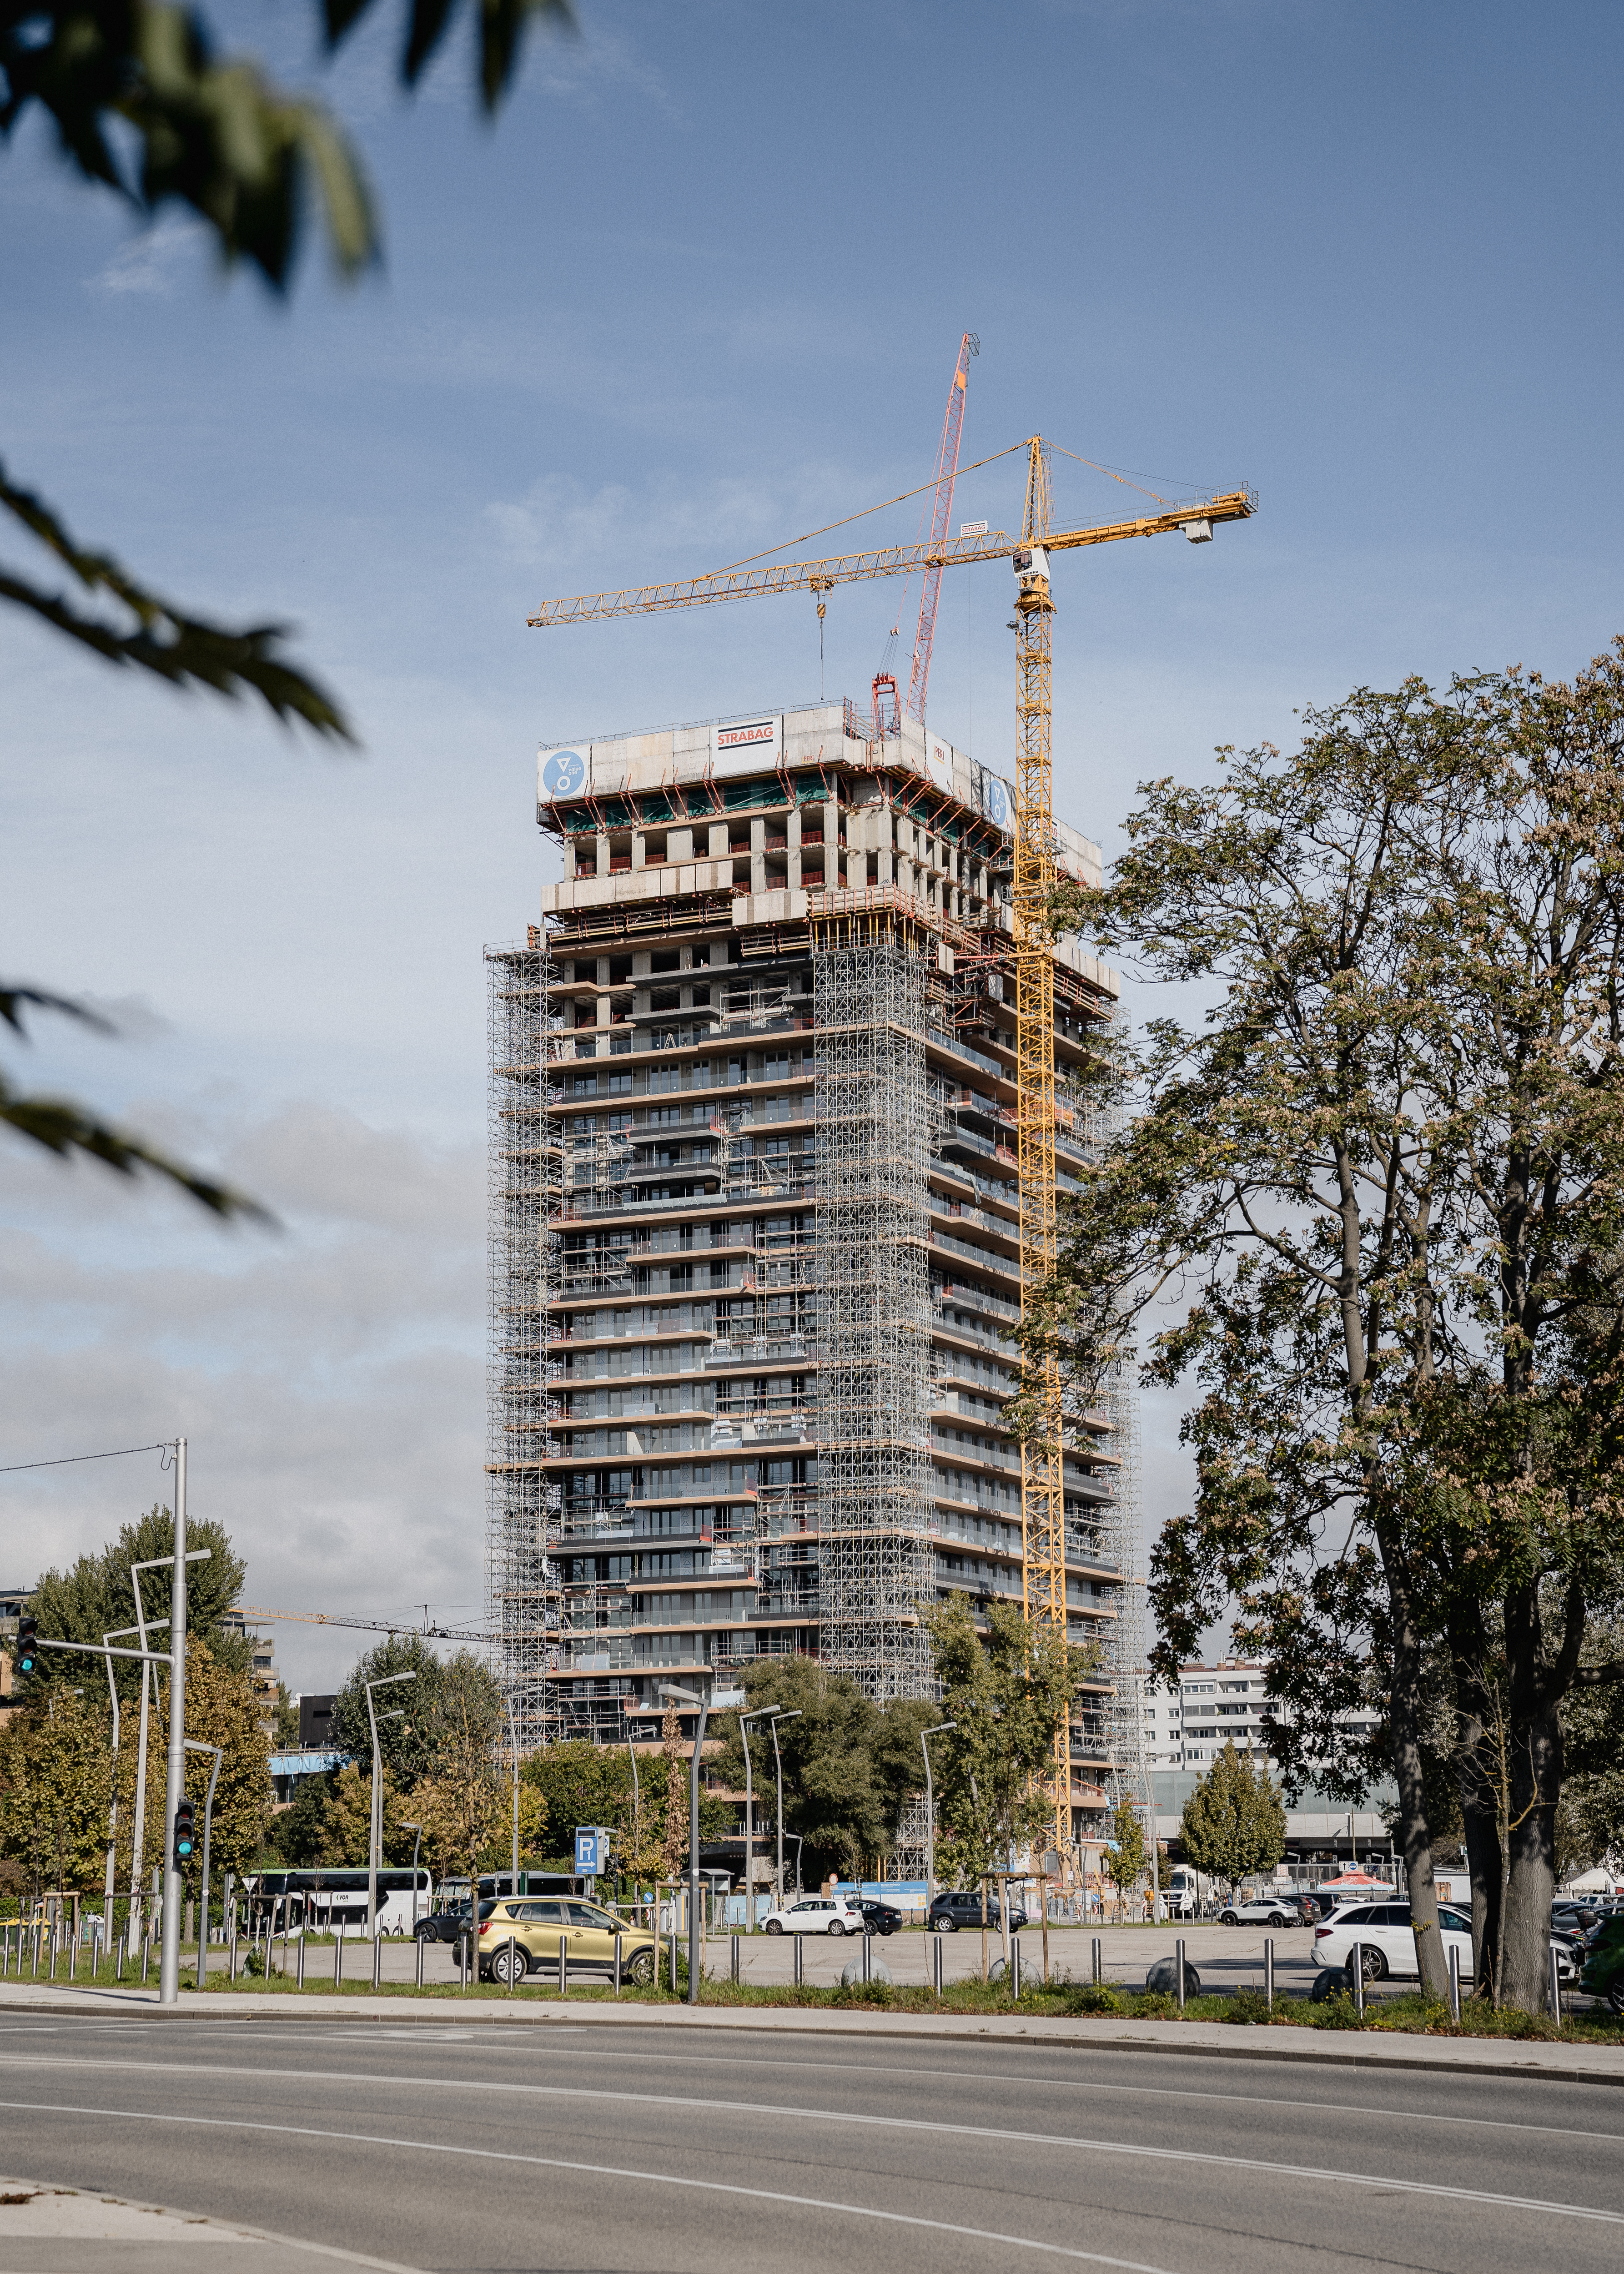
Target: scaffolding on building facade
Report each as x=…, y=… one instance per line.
x=873, y=1281
x=523, y=1507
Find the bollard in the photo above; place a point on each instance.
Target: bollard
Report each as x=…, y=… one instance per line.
x=377, y=1960
x=1454, y=1982
x=338, y=1958
x=934, y=1948
x=515, y=1964
x=1356, y=1967
x=564, y=1965
x=1099, y=1963
x=300, y=1962
x=146, y=1955
x=619, y=1938
x=1556, y=1988
x=734, y=1939
x=1268, y=1971
x=462, y=1960
x=73, y=1960
x=1178, y=1967
x=1015, y=1967
x=799, y=1961
x=422, y=1942
x=674, y=1950
x=867, y=1955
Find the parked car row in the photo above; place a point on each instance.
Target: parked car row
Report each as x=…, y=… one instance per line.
x=1387, y=1943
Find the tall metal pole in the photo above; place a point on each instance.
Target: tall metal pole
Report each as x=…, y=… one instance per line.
x=112, y=1813
x=762, y=1714
x=778, y=1771
x=196, y=1745
x=688, y=1697
x=137, y=1840
x=375, y=1835
x=168, y=1965
x=930, y=1809
x=513, y=1739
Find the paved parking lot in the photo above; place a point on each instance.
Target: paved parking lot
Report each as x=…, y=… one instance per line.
x=1225, y=1957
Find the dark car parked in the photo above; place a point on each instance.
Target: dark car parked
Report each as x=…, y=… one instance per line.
x=960, y=1912
x=447, y=1925
x=878, y=1918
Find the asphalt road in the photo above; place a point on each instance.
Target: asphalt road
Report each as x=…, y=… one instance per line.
x=430, y=2146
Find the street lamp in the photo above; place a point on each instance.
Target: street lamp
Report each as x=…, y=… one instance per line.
x=761, y=1713
x=196, y=1745
x=777, y=1770
x=691, y=1698
x=930, y=1809
x=415, y=1844
x=375, y=1842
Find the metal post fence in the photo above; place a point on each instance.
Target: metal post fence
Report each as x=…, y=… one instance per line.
x=1454, y=1982
x=1099, y=1965
x=563, y=1966
x=619, y=1940
x=734, y=1940
x=377, y=1960
x=1178, y=1968
x=338, y=1957
x=1015, y=1966
x=1268, y=1972
x=301, y=1962
x=1556, y=1988
x=937, y=1968
x=1356, y=1967
x=799, y=1960
x=422, y=1941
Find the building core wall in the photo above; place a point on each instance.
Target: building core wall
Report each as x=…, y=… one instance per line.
x=755, y=1245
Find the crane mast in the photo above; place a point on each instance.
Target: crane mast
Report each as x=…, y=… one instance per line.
x=1042, y=1455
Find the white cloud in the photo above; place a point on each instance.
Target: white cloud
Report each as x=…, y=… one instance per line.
x=329, y=1378
x=153, y=261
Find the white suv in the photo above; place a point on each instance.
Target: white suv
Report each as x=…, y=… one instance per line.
x=815, y=1915
x=1385, y=1938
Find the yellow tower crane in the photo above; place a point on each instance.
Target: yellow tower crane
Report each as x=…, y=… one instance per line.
x=1043, y=1450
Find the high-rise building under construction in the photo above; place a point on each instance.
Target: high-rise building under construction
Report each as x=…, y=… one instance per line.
x=755, y=1259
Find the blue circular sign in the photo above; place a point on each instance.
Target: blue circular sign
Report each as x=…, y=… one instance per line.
x=997, y=804
x=564, y=774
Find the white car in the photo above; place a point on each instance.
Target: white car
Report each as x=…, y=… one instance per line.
x=1385, y=1938
x=815, y=1915
x=1387, y=1942
x=1262, y=1910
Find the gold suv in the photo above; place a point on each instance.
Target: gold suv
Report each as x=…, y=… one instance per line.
x=519, y=1935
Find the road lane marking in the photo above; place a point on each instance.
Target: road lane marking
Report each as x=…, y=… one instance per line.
x=688, y=2102
x=430, y=2041
x=595, y=2170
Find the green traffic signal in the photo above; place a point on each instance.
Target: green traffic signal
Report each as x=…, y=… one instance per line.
x=184, y=1834
x=27, y=1644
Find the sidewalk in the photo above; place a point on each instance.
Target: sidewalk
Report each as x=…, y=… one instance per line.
x=1482, y=2056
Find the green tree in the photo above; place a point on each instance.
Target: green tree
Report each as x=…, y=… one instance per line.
x=143, y=106
x=298, y=1834
x=581, y=1783
x=842, y=1796
x=1006, y=1697
x=56, y=1759
x=95, y=1596
x=1384, y=1165
x=1127, y=1857
x=1235, y=1820
x=407, y=1746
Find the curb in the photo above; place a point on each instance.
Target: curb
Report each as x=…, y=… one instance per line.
x=1600, y=2065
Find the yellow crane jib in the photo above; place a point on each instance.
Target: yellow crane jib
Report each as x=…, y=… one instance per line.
x=1195, y=520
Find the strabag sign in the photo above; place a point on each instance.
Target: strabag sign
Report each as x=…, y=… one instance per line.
x=746, y=746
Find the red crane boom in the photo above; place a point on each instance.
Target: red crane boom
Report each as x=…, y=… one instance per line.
x=947, y=474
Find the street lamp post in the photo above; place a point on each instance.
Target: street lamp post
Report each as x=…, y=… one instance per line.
x=762, y=1714
x=777, y=1770
x=415, y=1844
x=930, y=1809
x=196, y=1745
x=375, y=1839
x=691, y=1698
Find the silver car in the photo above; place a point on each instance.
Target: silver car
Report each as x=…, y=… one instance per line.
x=1260, y=1911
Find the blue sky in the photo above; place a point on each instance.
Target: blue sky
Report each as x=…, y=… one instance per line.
x=698, y=291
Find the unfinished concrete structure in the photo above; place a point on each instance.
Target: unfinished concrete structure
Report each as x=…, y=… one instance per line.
x=755, y=1245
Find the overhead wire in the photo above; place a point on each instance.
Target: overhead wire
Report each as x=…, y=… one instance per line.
x=68, y=1460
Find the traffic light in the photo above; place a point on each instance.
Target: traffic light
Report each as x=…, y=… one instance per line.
x=27, y=1644
x=185, y=1817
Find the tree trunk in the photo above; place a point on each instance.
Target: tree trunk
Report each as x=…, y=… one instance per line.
x=1536, y=1767
x=1480, y=1819
x=1404, y=1707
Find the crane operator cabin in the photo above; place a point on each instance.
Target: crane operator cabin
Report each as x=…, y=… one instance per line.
x=755, y=1249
